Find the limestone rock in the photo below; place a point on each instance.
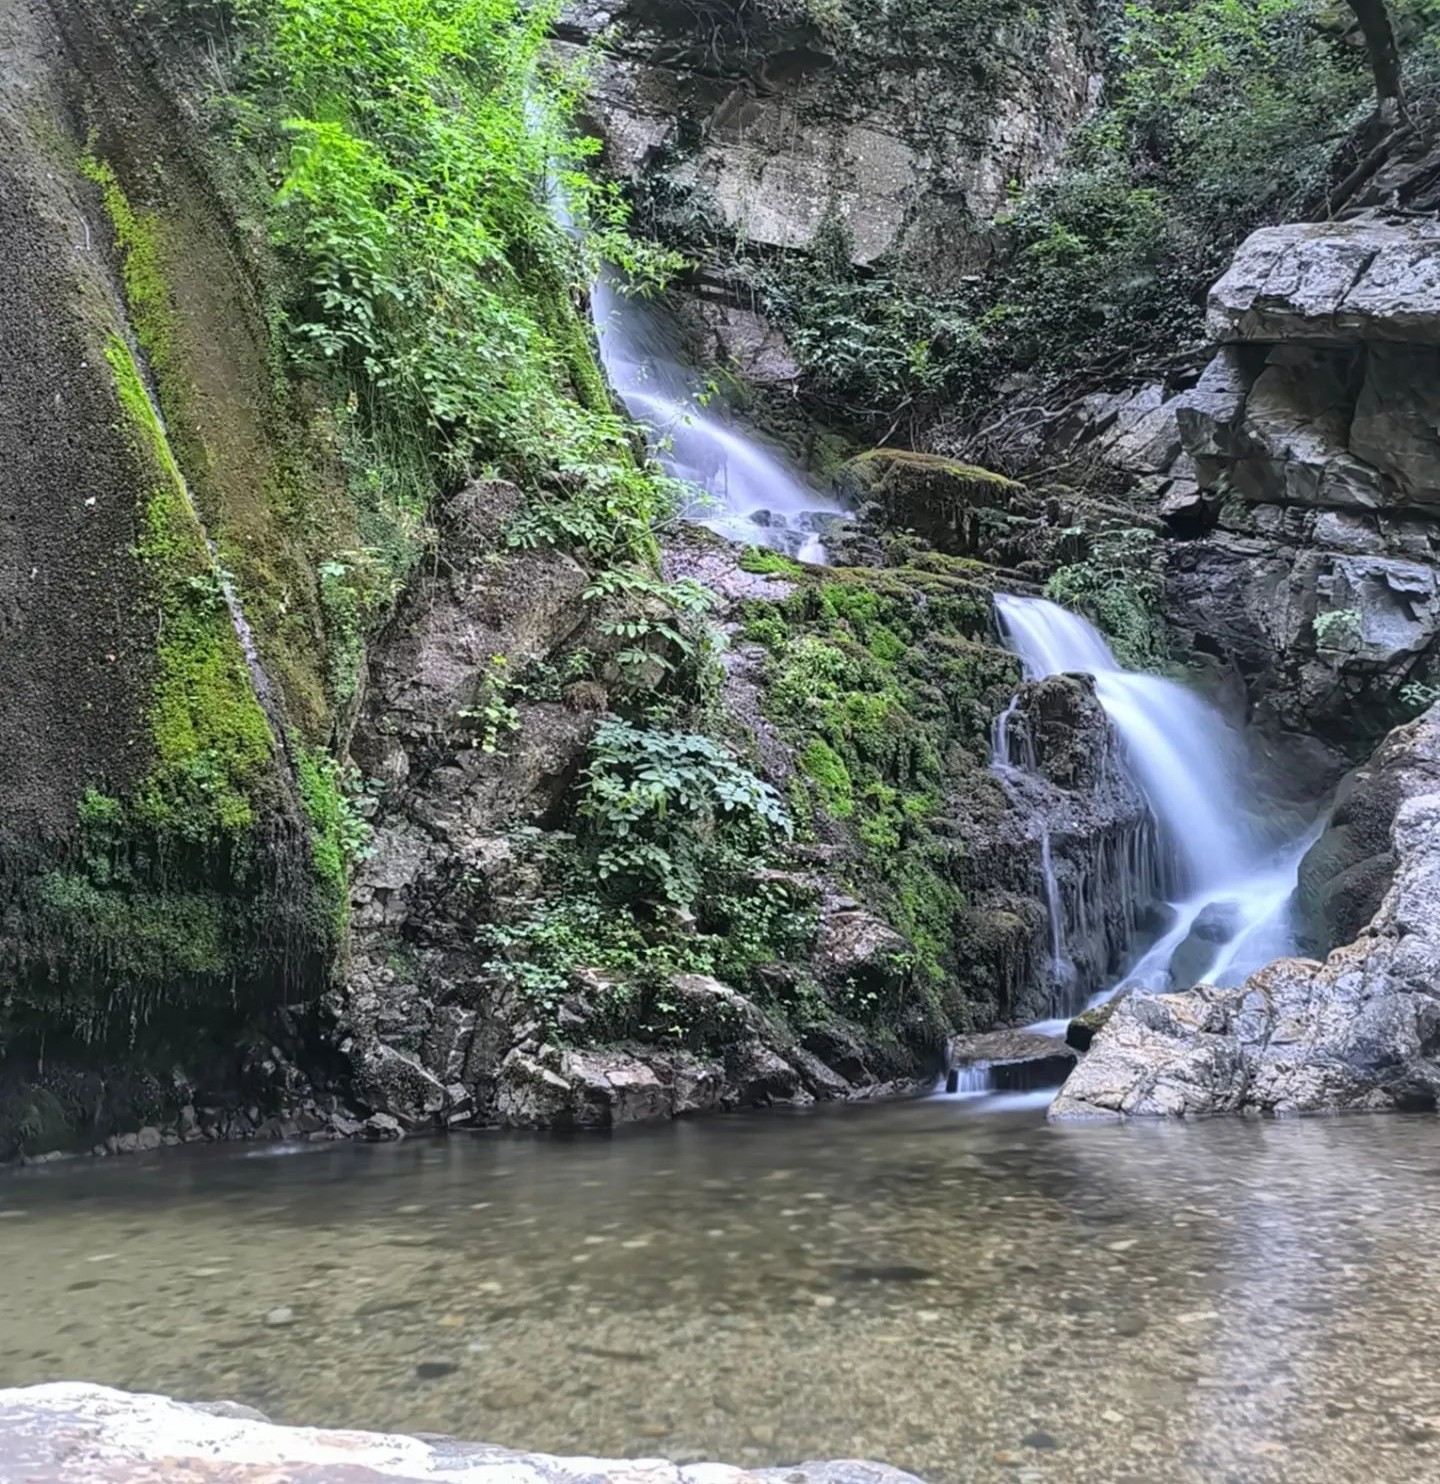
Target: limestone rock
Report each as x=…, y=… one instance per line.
x=786, y=129
x=74, y=1433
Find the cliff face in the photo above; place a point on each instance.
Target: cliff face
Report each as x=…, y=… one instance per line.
x=901, y=126
x=156, y=862
x=193, y=661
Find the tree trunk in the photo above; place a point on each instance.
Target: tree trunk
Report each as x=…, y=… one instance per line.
x=1384, y=55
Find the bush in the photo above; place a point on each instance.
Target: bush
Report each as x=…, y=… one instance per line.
x=1118, y=586
x=657, y=804
x=422, y=144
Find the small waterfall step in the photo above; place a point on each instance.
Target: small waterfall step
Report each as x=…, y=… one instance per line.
x=1007, y=1061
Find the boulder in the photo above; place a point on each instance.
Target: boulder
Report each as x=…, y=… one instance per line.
x=1328, y=282
x=610, y=1088
x=1358, y=1032
x=392, y=1082
x=1088, y=1024
x=854, y=948
x=74, y=1433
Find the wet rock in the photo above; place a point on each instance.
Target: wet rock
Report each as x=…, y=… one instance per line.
x=1215, y=924
x=609, y=1088
x=1016, y=1061
x=529, y=1095
x=381, y=1127
x=1345, y=874
x=1360, y=1031
x=395, y=1084
x=1084, y=1027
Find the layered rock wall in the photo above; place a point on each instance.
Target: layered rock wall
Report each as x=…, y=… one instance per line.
x=1314, y=436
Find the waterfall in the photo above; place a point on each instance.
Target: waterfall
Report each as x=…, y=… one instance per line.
x=1229, y=881
x=748, y=492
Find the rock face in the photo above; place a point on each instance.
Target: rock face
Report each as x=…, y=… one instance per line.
x=1300, y=474
x=1073, y=803
x=901, y=131
x=155, y=872
x=1316, y=432
x=431, y=1035
x=1358, y=1031
x=70, y=1433
x=1348, y=870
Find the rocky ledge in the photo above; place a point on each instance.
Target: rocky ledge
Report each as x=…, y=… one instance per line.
x=73, y=1433
x=1359, y=1031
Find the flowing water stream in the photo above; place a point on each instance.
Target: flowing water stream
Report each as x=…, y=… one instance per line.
x=973, y=1298
x=749, y=492
x=1229, y=876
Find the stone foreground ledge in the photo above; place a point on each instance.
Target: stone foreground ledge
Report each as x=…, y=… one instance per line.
x=74, y=1433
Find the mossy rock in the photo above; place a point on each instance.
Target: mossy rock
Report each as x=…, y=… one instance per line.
x=956, y=506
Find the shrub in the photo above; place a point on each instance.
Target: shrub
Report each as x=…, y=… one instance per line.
x=656, y=803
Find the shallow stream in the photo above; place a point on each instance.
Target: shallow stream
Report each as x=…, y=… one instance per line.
x=954, y=1288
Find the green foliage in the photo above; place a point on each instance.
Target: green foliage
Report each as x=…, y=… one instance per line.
x=420, y=137
x=1419, y=695
x=492, y=715
x=1338, y=628
x=747, y=921
x=1217, y=116
x=644, y=609
x=656, y=804
x=1117, y=585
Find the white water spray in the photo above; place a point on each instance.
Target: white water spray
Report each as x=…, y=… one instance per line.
x=1231, y=884
x=751, y=493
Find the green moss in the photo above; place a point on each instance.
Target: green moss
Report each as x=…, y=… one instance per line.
x=137, y=236
x=211, y=739
x=331, y=826
x=823, y=766
x=768, y=562
x=887, y=701
x=258, y=472
x=142, y=936
x=876, y=463
x=99, y=809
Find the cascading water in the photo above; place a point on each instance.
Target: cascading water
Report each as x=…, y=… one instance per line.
x=747, y=492
x=751, y=493
x=1229, y=880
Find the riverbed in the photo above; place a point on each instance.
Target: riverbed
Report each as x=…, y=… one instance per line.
x=948, y=1285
